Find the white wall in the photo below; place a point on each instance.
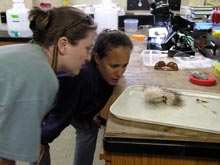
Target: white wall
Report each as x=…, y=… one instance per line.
x=7, y=4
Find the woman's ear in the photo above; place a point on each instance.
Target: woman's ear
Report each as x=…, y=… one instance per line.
x=96, y=58
x=62, y=45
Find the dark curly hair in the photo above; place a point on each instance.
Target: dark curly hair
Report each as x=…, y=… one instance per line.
x=108, y=39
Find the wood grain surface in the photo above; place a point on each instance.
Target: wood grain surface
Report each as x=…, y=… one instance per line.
x=138, y=74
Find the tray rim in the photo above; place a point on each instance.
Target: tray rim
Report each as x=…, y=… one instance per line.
x=212, y=94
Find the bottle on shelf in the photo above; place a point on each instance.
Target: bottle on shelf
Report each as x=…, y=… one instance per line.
x=17, y=20
x=215, y=16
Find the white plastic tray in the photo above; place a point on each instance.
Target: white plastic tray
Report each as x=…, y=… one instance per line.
x=130, y=105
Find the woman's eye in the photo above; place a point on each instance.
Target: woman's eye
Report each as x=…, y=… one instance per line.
x=89, y=49
x=114, y=66
x=124, y=66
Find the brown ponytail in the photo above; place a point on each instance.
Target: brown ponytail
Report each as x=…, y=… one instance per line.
x=48, y=25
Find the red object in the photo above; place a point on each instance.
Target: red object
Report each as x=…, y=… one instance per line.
x=209, y=82
x=215, y=16
x=45, y=5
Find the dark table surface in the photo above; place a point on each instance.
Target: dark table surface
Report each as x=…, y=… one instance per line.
x=5, y=37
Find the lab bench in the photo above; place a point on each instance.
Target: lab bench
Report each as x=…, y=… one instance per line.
x=131, y=142
x=5, y=39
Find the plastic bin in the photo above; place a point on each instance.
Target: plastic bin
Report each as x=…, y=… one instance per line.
x=131, y=25
x=150, y=57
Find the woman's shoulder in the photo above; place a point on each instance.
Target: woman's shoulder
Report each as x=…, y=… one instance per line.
x=87, y=72
x=86, y=75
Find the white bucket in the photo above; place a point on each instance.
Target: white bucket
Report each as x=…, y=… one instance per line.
x=17, y=21
x=106, y=17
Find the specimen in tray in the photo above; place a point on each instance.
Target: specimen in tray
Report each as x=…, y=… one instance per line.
x=156, y=95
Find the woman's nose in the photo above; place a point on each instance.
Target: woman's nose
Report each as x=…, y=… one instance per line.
x=120, y=72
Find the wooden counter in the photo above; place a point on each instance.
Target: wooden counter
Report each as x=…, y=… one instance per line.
x=138, y=74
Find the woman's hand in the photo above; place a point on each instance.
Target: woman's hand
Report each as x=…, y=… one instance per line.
x=98, y=120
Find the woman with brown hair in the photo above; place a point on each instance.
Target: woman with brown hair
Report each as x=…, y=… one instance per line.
x=81, y=98
x=62, y=41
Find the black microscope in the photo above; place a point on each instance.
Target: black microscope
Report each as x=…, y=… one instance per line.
x=178, y=38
